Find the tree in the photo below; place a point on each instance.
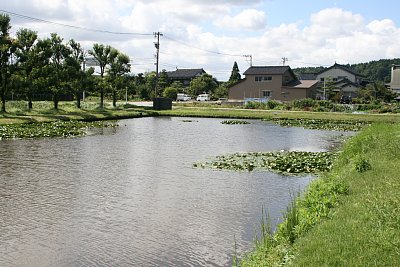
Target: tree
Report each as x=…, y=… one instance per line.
x=80, y=79
x=7, y=66
x=170, y=92
x=235, y=74
x=27, y=60
x=222, y=91
x=104, y=55
x=119, y=66
x=204, y=83
x=163, y=82
x=58, y=70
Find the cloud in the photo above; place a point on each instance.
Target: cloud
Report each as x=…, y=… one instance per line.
x=248, y=19
x=198, y=34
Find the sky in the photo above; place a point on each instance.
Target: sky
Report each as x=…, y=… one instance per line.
x=213, y=34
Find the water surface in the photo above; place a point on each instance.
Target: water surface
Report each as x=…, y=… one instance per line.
x=128, y=196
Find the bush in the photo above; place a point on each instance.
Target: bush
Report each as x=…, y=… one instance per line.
x=170, y=92
x=255, y=105
x=304, y=103
x=272, y=104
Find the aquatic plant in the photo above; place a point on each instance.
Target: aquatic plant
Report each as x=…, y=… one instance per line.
x=286, y=162
x=232, y=122
x=320, y=124
x=50, y=129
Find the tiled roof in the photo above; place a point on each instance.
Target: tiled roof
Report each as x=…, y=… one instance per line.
x=185, y=73
x=307, y=76
x=301, y=84
x=341, y=67
x=267, y=70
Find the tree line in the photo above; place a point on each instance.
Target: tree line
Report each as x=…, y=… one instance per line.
x=33, y=69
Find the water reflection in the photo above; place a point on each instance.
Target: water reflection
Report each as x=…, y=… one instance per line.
x=130, y=197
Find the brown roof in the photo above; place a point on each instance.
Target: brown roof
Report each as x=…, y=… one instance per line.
x=302, y=84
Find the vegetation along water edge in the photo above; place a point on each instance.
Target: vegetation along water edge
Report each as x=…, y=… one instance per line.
x=348, y=217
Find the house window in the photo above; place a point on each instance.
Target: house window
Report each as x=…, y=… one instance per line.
x=267, y=94
x=263, y=78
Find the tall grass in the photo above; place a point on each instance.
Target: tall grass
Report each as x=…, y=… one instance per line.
x=348, y=217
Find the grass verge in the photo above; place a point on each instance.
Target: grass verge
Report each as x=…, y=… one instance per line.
x=348, y=217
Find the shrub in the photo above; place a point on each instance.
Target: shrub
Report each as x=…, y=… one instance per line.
x=272, y=104
x=304, y=103
x=255, y=105
x=170, y=92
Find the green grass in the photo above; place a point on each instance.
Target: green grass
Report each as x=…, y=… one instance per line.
x=43, y=111
x=277, y=114
x=349, y=217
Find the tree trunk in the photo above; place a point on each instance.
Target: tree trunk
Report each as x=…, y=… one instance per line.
x=101, y=97
x=78, y=100
x=114, y=98
x=3, y=104
x=30, y=105
x=55, y=101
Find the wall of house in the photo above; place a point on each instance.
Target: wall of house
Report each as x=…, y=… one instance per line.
x=335, y=73
x=249, y=88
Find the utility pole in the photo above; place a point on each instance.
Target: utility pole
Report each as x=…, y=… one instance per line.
x=157, y=45
x=251, y=59
x=284, y=59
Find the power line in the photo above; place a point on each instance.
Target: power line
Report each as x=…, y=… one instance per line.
x=72, y=26
x=201, y=49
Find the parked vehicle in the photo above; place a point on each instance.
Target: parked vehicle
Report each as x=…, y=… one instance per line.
x=183, y=97
x=203, y=97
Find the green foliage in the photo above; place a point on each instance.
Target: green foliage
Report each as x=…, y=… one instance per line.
x=204, y=83
x=235, y=74
x=255, y=105
x=170, y=92
x=286, y=162
x=272, y=104
x=232, y=122
x=362, y=165
x=321, y=124
x=50, y=129
x=304, y=103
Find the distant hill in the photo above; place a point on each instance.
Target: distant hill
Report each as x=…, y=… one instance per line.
x=379, y=70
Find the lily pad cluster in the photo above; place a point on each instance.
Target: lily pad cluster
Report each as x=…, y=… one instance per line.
x=337, y=125
x=232, y=122
x=285, y=162
x=50, y=129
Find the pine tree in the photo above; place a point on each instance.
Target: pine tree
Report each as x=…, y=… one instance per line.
x=235, y=75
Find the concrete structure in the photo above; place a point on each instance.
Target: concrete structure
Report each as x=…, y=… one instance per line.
x=395, y=79
x=272, y=83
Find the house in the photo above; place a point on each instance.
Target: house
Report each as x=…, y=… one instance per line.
x=185, y=76
x=346, y=81
x=394, y=84
x=272, y=83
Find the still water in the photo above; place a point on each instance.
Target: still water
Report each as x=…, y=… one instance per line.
x=128, y=196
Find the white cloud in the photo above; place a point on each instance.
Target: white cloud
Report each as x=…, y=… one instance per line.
x=248, y=19
x=189, y=28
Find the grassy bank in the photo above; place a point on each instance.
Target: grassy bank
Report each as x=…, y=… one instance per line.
x=43, y=111
x=350, y=216
x=276, y=114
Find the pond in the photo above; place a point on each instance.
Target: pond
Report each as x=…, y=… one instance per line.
x=129, y=196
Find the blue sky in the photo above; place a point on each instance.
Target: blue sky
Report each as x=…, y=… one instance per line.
x=212, y=34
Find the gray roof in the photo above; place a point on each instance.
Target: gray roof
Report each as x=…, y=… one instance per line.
x=307, y=76
x=267, y=70
x=343, y=68
x=185, y=73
